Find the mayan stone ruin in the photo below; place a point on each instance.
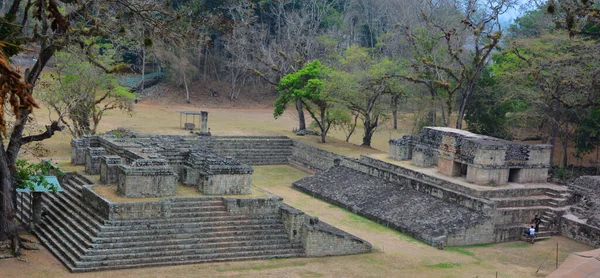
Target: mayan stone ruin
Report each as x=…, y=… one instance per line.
x=481, y=159
x=445, y=187
x=88, y=231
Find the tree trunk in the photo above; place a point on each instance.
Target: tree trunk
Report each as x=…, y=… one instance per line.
x=566, y=146
x=554, y=131
x=187, y=92
x=301, y=120
x=143, y=69
x=8, y=157
x=369, y=130
x=7, y=209
x=395, y=111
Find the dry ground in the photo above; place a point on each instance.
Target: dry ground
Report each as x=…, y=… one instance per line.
x=395, y=255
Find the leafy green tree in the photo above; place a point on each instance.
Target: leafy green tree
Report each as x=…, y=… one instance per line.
x=493, y=110
x=587, y=134
x=80, y=93
x=306, y=86
x=558, y=78
x=366, y=86
x=469, y=36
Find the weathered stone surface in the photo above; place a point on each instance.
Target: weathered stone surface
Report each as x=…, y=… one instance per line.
x=586, y=194
x=400, y=207
x=93, y=156
x=490, y=160
x=146, y=178
x=109, y=165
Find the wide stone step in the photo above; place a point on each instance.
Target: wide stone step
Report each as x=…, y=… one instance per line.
x=199, y=214
x=190, y=241
x=81, y=180
x=171, y=231
x=223, y=242
x=69, y=240
x=204, y=219
x=183, y=200
x=60, y=203
x=77, y=235
x=192, y=256
x=57, y=208
x=51, y=244
x=186, y=204
x=198, y=209
x=227, y=233
x=192, y=225
x=190, y=261
x=215, y=249
x=529, y=201
x=542, y=233
x=74, y=196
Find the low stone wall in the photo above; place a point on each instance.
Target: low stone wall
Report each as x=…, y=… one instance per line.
x=312, y=157
x=260, y=206
x=293, y=221
x=571, y=228
x=318, y=238
x=99, y=203
x=477, y=234
x=124, y=211
x=323, y=239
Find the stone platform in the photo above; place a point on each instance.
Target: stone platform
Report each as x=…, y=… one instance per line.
x=88, y=232
x=403, y=208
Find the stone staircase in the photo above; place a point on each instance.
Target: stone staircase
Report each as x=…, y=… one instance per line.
x=255, y=150
x=516, y=212
x=198, y=230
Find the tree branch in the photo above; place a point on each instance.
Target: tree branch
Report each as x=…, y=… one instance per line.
x=50, y=129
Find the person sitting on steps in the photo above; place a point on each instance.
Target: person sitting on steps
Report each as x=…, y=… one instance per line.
x=532, y=234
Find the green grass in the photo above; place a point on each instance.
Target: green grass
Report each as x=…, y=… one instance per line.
x=464, y=249
x=518, y=245
x=357, y=220
x=461, y=250
x=443, y=265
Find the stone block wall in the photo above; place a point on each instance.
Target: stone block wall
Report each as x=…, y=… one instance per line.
x=575, y=229
x=109, y=165
x=320, y=239
x=401, y=149
x=225, y=176
x=325, y=240
x=424, y=156
x=478, y=234
x=293, y=222
x=256, y=206
x=312, y=157
x=487, y=176
x=93, y=157
x=78, y=150
x=146, y=178
x=423, y=183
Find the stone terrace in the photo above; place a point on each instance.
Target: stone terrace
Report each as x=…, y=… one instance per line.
x=87, y=232
x=401, y=207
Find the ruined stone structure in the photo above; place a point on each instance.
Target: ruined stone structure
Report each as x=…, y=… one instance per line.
x=87, y=232
x=152, y=166
x=480, y=159
x=437, y=206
